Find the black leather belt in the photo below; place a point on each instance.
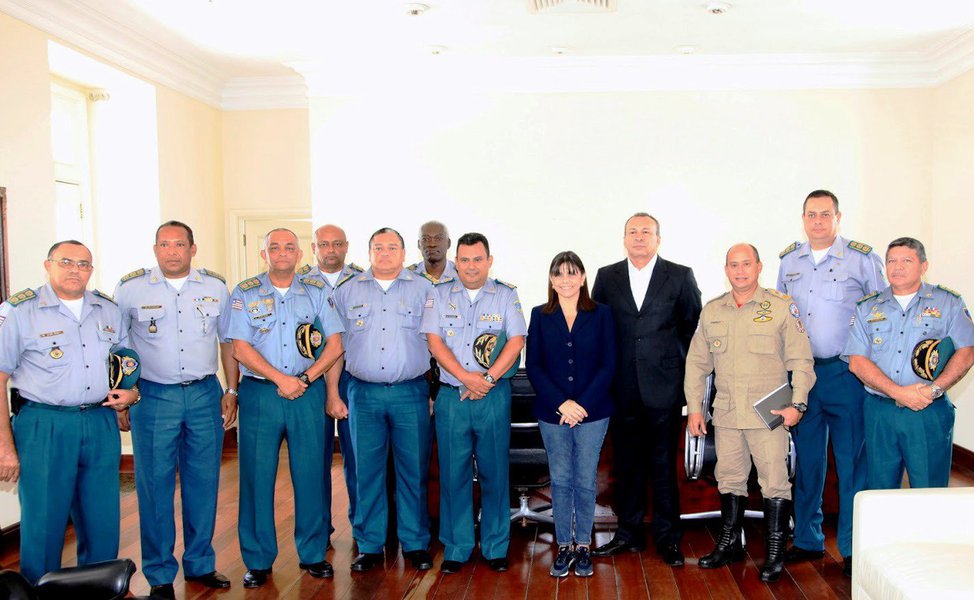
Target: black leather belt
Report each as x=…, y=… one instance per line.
x=827, y=361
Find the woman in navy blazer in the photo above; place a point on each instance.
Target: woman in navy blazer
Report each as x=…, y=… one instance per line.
x=571, y=354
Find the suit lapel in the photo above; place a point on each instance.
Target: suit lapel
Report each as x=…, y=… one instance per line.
x=581, y=320
x=560, y=324
x=656, y=281
x=622, y=283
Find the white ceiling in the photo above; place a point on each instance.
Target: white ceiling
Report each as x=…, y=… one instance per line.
x=243, y=53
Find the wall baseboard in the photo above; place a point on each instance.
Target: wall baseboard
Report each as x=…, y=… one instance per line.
x=963, y=459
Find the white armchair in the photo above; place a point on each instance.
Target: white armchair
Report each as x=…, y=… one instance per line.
x=913, y=543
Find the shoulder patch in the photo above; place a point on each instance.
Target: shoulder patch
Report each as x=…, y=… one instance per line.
x=789, y=249
x=867, y=297
x=304, y=269
x=860, y=247
x=21, y=296
x=948, y=290
x=103, y=295
x=505, y=284
x=778, y=294
x=355, y=267
x=249, y=284
x=133, y=275
x=213, y=274
x=313, y=282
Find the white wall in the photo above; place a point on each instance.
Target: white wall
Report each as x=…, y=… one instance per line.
x=540, y=173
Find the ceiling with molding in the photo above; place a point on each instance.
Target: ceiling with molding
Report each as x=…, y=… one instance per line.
x=222, y=50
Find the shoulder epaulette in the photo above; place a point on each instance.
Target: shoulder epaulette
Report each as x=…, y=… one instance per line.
x=716, y=298
x=505, y=284
x=867, y=297
x=249, y=284
x=860, y=247
x=103, y=295
x=212, y=274
x=412, y=268
x=778, y=294
x=789, y=250
x=348, y=277
x=21, y=296
x=355, y=267
x=133, y=275
x=304, y=269
x=949, y=291
x=312, y=281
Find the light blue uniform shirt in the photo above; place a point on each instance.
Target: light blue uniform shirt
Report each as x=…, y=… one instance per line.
x=175, y=333
x=51, y=356
x=450, y=314
x=346, y=273
x=449, y=272
x=886, y=334
x=383, y=343
x=268, y=322
x=826, y=293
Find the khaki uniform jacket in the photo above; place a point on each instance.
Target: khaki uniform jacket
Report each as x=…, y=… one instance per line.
x=751, y=349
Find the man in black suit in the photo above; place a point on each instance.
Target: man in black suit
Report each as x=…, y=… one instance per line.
x=656, y=304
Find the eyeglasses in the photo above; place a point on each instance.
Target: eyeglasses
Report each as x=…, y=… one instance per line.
x=68, y=264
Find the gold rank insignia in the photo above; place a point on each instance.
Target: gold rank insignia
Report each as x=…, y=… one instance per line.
x=314, y=282
x=21, y=296
x=867, y=297
x=860, y=247
x=949, y=291
x=877, y=340
x=764, y=313
x=212, y=274
x=788, y=250
x=359, y=323
x=304, y=269
x=133, y=275
x=56, y=353
x=152, y=326
x=716, y=343
x=249, y=284
x=876, y=315
x=450, y=333
x=931, y=311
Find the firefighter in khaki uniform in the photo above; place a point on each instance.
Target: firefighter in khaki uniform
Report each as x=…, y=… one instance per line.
x=751, y=337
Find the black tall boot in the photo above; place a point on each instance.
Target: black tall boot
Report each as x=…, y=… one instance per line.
x=729, y=547
x=776, y=513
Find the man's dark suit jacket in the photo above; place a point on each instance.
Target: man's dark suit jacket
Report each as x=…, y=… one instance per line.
x=652, y=340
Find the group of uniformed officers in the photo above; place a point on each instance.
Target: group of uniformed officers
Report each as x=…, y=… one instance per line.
x=304, y=347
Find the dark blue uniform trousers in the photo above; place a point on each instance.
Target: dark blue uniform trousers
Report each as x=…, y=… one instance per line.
x=835, y=410
x=266, y=420
x=348, y=453
x=379, y=414
x=69, y=460
x=898, y=438
x=177, y=426
x=464, y=430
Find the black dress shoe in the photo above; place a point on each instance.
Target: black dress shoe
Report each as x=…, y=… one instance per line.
x=451, y=566
x=255, y=578
x=163, y=591
x=847, y=566
x=366, y=561
x=498, y=564
x=214, y=579
x=421, y=559
x=318, y=570
x=798, y=554
x=672, y=555
x=616, y=546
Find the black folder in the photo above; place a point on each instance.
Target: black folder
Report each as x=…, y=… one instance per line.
x=776, y=400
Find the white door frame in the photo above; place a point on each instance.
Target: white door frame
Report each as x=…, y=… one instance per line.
x=236, y=221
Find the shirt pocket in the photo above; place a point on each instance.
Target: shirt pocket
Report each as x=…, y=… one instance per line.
x=409, y=318
x=716, y=335
x=148, y=318
x=758, y=343
x=490, y=321
x=359, y=318
x=450, y=321
x=880, y=336
x=54, y=350
x=931, y=328
x=839, y=286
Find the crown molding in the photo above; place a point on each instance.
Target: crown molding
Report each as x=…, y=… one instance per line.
x=80, y=25
x=198, y=75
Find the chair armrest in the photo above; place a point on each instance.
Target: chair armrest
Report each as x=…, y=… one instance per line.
x=108, y=580
x=936, y=515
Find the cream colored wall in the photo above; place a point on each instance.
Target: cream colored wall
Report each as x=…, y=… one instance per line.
x=950, y=247
x=191, y=172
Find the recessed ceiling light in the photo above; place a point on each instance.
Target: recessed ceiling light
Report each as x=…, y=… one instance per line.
x=559, y=50
x=717, y=7
x=686, y=50
x=415, y=9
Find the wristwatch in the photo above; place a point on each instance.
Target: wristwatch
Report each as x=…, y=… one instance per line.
x=231, y=391
x=489, y=378
x=800, y=407
x=304, y=378
x=935, y=391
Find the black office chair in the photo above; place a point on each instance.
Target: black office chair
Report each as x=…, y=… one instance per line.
x=528, y=458
x=108, y=580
